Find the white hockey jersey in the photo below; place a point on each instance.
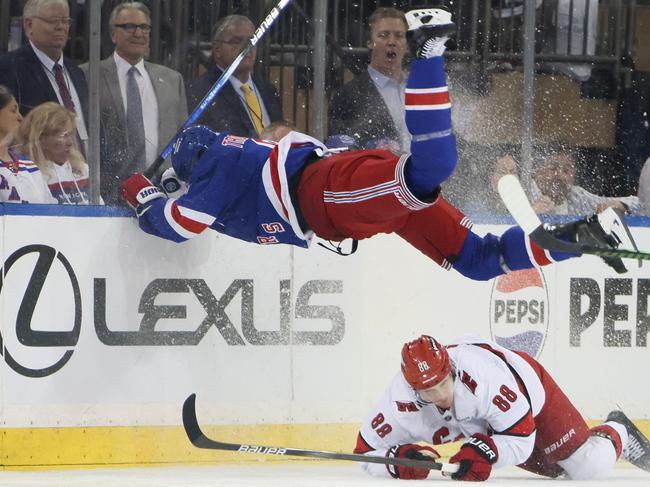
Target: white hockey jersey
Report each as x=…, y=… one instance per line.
x=496, y=392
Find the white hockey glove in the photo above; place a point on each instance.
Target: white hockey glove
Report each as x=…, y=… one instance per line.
x=171, y=185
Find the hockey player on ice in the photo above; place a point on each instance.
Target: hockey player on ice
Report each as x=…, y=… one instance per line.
x=285, y=192
x=504, y=403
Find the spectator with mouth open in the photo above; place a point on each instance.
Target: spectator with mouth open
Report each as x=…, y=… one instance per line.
x=370, y=108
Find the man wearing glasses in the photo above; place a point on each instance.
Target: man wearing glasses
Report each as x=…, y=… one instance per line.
x=38, y=72
x=142, y=104
x=248, y=103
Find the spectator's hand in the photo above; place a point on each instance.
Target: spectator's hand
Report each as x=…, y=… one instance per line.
x=476, y=458
x=544, y=205
x=612, y=204
x=413, y=452
x=171, y=185
x=137, y=191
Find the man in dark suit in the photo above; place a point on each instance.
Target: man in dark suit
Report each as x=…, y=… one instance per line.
x=370, y=108
x=246, y=104
x=37, y=72
x=134, y=135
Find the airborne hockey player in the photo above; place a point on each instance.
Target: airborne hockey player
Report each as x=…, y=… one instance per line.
x=504, y=404
x=285, y=192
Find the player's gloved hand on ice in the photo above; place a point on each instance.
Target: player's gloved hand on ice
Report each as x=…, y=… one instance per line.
x=476, y=458
x=172, y=185
x=138, y=191
x=413, y=452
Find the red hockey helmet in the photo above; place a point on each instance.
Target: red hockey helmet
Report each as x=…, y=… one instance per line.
x=425, y=362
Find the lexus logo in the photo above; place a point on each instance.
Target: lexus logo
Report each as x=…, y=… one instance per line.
x=48, y=259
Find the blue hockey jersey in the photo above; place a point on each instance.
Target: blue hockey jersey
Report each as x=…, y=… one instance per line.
x=240, y=187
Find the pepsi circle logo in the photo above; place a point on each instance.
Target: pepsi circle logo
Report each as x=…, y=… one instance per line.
x=519, y=311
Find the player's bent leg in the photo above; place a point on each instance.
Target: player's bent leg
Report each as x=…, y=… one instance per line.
x=437, y=231
x=428, y=118
x=594, y=459
x=483, y=258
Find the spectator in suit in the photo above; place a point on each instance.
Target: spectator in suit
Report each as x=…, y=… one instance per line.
x=38, y=72
x=142, y=104
x=20, y=179
x=247, y=103
x=370, y=108
x=47, y=137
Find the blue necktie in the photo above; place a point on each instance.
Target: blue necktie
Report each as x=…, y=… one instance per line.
x=134, y=121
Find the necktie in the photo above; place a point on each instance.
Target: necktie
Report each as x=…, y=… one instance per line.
x=134, y=121
x=63, y=88
x=254, y=108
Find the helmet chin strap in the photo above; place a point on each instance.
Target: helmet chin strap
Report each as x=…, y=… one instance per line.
x=421, y=399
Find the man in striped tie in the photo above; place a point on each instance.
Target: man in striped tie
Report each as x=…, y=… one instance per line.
x=285, y=192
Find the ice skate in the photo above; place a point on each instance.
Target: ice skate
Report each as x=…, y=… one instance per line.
x=637, y=449
x=429, y=30
x=605, y=229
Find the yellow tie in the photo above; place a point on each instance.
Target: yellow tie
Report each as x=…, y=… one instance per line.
x=253, y=107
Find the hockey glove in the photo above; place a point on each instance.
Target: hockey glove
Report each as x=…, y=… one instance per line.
x=413, y=452
x=476, y=458
x=172, y=185
x=138, y=191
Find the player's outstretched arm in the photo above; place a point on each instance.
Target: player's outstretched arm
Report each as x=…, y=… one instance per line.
x=154, y=209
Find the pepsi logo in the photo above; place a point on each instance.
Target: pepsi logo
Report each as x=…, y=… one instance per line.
x=519, y=311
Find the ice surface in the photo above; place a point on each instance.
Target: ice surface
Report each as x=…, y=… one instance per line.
x=298, y=474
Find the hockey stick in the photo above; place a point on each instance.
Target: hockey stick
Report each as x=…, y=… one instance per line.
x=216, y=88
x=517, y=203
x=199, y=440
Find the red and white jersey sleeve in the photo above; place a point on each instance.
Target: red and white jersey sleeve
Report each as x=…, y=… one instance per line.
x=497, y=386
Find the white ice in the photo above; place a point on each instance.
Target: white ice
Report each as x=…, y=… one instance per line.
x=298, y=474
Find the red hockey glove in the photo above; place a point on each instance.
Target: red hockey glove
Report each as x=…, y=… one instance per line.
x=414, y=452
x=476, y=458
x=138, y=190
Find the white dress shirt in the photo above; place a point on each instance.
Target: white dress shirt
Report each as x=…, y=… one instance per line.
x=393, y=94
x=149, y=103
x=48, y=67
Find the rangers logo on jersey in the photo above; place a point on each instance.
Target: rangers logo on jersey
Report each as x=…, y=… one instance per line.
x=234, y=141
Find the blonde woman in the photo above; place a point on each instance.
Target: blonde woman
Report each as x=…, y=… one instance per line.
x=20, y=179
x=48, y=135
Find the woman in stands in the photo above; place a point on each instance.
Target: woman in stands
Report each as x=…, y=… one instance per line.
x=20, y=179
x=48, y=135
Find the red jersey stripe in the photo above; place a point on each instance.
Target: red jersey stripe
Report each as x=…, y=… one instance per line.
x=275, y=178
x=426, y=98
x=539, y=254
x=187, y=223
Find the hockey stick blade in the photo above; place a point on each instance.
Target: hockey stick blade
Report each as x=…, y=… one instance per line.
x=199, y=440
x=516, y=201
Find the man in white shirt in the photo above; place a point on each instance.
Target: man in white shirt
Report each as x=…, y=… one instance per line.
x=554, y=190
x=142, y=104
x=370, y=108
x=38, y=72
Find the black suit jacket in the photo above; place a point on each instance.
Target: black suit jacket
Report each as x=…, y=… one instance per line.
x=226, y=113
x=22, y=72
x=360, y=111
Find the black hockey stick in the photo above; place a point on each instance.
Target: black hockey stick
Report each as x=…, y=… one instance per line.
x=216, y=88
x=199, y=440
x=517, y=203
